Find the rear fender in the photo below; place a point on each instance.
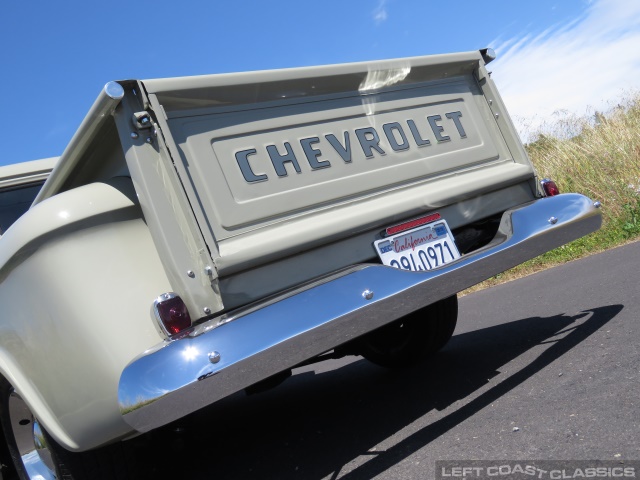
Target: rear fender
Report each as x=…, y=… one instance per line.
x=78, y=274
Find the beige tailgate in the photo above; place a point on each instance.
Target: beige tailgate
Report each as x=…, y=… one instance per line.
x=279, y=162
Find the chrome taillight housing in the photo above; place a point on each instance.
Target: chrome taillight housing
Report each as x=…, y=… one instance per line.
x=171, y=314
x=550, y=188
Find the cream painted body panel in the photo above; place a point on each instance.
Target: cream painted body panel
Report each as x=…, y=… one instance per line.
x=78, y=275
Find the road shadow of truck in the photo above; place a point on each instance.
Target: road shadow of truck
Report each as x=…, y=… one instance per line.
x=315, y=424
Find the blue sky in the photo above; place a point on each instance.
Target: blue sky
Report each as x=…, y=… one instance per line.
x=56, y=56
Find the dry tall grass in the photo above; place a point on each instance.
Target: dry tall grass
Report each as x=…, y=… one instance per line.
x=602, y=161
x=598, y=157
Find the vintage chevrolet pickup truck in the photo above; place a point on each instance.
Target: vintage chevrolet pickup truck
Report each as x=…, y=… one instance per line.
x=204, y=235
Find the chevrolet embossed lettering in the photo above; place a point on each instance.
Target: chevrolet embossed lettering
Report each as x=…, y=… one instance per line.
x=320, y=151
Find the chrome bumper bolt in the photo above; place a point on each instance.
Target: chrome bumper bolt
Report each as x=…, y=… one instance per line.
x=214, y=357
x=553, y=220
x=368, y=294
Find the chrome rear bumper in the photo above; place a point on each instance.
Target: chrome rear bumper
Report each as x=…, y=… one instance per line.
x=227, y=354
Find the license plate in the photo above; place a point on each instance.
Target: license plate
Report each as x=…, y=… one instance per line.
x=419, y=249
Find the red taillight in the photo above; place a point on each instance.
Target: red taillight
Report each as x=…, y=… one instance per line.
x=172, y=313
x=550, y=188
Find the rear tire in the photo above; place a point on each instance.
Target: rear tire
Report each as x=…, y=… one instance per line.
x=410, y=339
x=33, y=453
x=25, y=442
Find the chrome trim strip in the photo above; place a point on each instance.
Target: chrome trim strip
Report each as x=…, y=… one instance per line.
x=179, y=377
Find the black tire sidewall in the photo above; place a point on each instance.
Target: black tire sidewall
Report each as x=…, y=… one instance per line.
x=9, y=449
x=426, y=331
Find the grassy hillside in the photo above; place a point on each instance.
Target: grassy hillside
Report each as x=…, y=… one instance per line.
x=601, y=161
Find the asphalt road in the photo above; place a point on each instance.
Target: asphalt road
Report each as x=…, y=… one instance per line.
x=546, y=367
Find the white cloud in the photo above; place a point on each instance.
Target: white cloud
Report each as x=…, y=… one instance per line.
x=574, y=69
x=380, y=13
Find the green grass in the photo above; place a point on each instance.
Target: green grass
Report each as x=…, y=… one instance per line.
x=601, y=161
